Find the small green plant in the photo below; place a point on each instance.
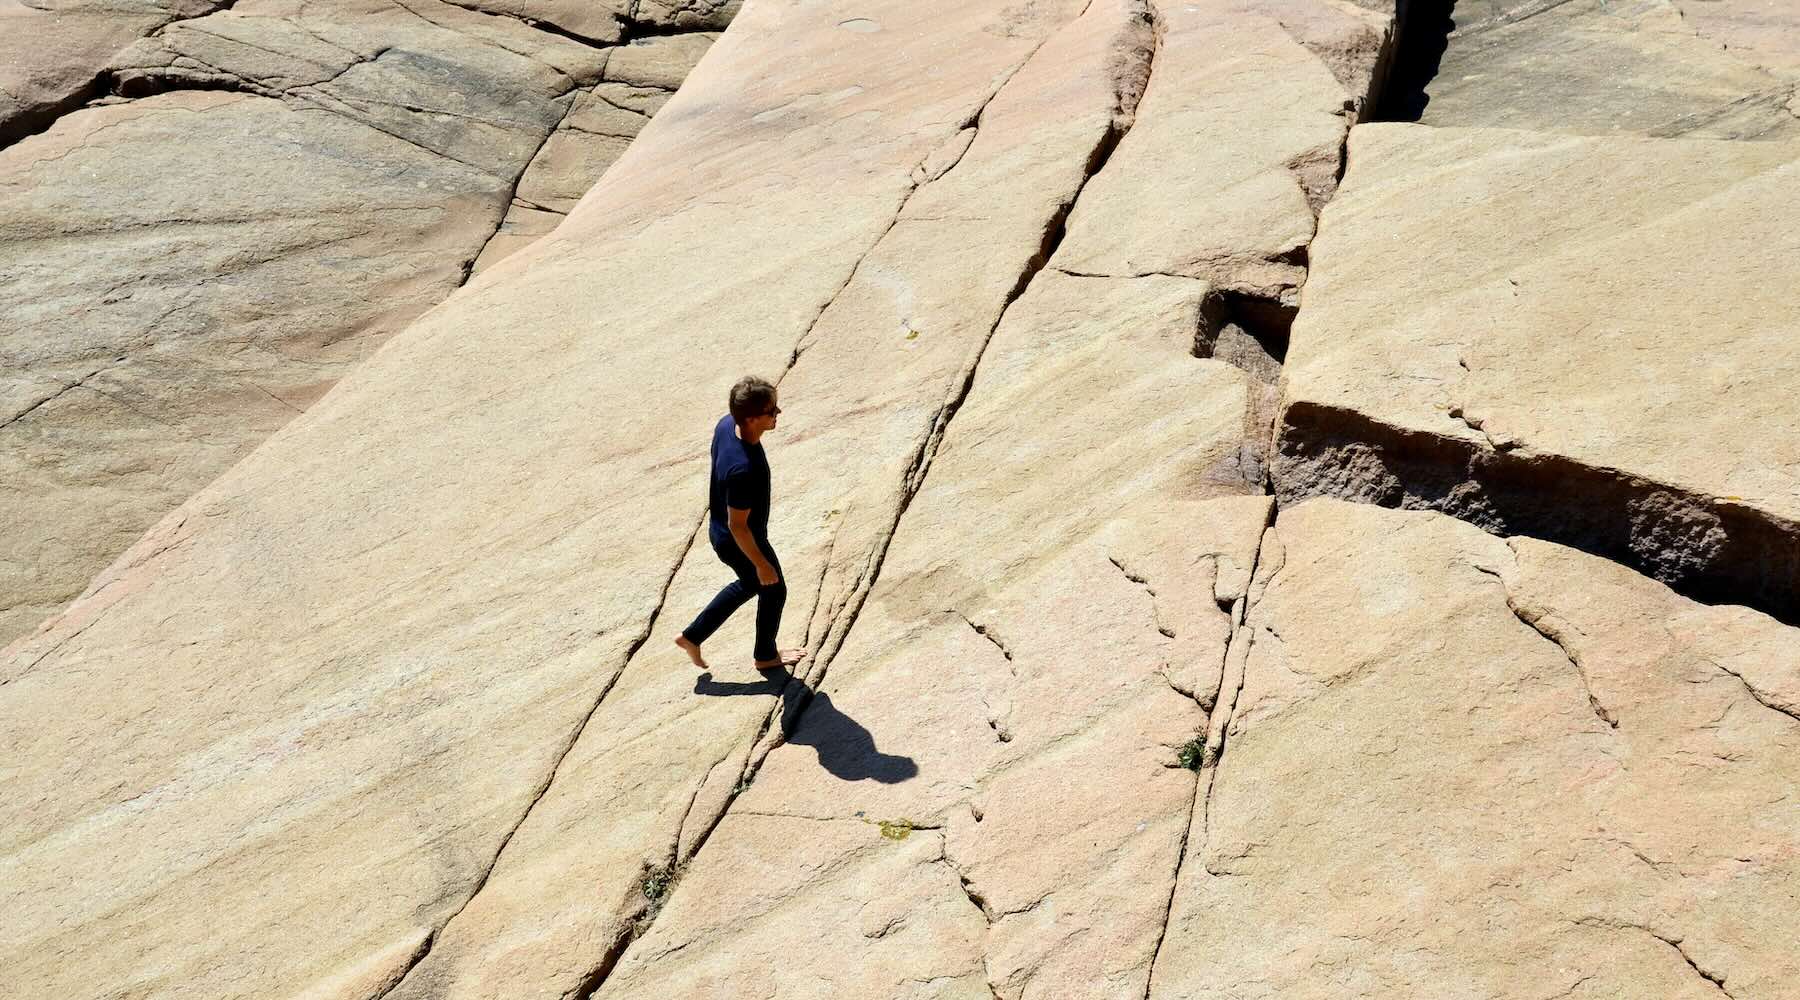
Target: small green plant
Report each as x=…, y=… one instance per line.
x=1191, y=754
x=896, y=829
x=656, y=884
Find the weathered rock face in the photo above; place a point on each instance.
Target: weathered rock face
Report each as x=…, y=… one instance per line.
x=1696, y=68
x=52, y=52
x=561, y=338
x=184, y=272
x=1462, y=765
x=1611, y=372
x=390, y=710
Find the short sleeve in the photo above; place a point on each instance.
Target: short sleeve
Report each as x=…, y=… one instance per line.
x=740, y=488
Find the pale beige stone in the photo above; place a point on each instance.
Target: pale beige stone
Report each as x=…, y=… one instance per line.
x=523, y=226
x=1459, y=767
x=1478, y=308
x=152, y=341
x=1354, y=38
x=1609, y=67
x=1765, y=33
x=320, y=696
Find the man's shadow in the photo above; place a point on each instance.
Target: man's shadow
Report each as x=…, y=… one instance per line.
x=809, y=719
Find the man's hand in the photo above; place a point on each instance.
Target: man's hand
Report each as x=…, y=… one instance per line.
x=740, y=533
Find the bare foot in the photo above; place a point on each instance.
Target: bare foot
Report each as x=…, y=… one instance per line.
x=692, y=650
x=786, y=658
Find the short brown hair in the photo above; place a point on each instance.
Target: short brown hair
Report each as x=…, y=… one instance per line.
x=751, y=397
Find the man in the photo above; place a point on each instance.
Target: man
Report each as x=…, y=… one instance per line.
x=738, y=526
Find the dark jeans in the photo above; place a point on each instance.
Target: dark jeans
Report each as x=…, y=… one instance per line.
x=769, y=600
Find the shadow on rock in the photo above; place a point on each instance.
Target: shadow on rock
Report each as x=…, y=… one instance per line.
x=845, y=748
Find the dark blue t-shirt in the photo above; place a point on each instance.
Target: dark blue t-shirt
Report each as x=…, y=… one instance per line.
x=740, y=478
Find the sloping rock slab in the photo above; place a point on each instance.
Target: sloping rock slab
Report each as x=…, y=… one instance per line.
x=1466, y=766
x=182, y=273
x=870, y=389
x=1485, y=334
x=324, y=694
x=1610, y=67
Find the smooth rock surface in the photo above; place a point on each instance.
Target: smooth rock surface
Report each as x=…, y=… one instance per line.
x=238, y=252
x=1483, y=335
x=1760, y=32
x=321, y=695
x=1463, y=766
x=1606, y=67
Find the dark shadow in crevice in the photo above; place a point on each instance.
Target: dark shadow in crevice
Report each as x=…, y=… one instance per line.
x=1422, y=34
x=846, y=749
x=38, y=120
x=1711, y=549
x=1248, y=331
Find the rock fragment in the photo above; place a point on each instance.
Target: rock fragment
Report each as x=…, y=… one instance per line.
x=54, y=52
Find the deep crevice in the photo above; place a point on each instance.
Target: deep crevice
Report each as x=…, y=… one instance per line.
x=1422, y=30
x=1218, y=721
x=1246, y=330
x=27, y=124
x=1709, y=549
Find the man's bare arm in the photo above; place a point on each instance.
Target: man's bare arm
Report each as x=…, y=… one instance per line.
x=740, y=533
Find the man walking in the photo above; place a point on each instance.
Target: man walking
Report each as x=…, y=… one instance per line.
x=738, y=526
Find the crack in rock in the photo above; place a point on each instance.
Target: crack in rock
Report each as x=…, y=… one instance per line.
x=1710, y=549
x=543, y=787
x=1716, y=980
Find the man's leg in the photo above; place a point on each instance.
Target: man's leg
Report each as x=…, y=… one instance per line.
x=769, y=602
x=729, y=598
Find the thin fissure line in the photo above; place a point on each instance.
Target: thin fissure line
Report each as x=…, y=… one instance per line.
x=550, y=779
